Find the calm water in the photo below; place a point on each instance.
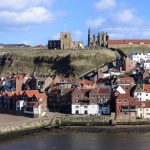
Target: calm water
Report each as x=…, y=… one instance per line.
x=79, y=141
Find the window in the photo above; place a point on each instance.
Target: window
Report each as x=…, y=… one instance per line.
x=125, y=101
x=85, y=112
x=76, y=95
x=85, y=106
x=125, y=113
x=76, y=106
x=65, y=36
x=77, y=112
x=92, y=95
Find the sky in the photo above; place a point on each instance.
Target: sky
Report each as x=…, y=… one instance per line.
x=35, y=22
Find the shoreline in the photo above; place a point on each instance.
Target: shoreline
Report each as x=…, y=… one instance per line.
x=129, y=129
x=60, y=123
x=78, y=129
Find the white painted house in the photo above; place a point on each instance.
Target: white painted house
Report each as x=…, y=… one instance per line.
x=91, y=101
x=142, y=94
x=143, y=113
x=140, y=57
x=143, y=97
x=85, y=109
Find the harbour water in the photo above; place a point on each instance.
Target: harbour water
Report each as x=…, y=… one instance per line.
x=79, y=141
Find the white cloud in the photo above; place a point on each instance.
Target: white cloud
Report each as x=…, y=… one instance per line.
x=20, y=4
x=77, y=35
x=126, y=16
x=29, y=16
x=105, y=4
x=95, y=23
x=123, y=22
x=25, y=13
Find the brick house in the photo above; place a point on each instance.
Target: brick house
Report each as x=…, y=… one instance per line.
x=81, y=103
x=36, y=104
x=60, y=100
x=142, y=93
x=87, y=84
x=91, y=101
x=19, y=81
x=60, y=83
x=125, y=106
x=125, y=63
x=31, y=103
x=143, y=109
x=125, y=81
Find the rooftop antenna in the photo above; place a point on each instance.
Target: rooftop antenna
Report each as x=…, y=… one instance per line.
x=65, y=27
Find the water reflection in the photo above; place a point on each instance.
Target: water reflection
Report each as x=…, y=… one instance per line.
x=79, y=141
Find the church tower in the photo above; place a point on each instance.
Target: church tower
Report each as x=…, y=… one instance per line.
x=66, y=40
x=89, y=37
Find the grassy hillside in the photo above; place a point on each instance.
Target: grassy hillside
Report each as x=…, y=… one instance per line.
x=66, y=62
x=128, y=50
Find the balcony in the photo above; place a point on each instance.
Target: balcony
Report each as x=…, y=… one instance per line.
x=128, y=110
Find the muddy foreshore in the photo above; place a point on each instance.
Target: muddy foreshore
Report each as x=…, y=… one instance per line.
x=57, y=123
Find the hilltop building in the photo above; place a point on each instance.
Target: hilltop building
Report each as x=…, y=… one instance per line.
x=101, y=40
x=128, y=43
x=65, y=42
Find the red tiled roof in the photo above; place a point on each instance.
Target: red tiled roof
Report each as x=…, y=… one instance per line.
x=124, y=96
x=145, y=104
x=30, y=93
x=103, y=90
x=123, y=79
x=41, y=95
x=10, y=94
x=147, y=88
x=86, y=82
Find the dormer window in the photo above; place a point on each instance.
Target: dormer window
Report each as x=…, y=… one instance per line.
x=76, y=95
x=92, y=95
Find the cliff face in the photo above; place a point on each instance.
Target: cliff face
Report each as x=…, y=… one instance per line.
x=70, y=64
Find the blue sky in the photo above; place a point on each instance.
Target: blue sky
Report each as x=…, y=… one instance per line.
x=36, y=21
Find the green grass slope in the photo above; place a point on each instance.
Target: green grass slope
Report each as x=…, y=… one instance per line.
x=47, y=62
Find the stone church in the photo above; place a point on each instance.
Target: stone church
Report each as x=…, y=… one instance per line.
x=65, y=42
x=99, y=40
